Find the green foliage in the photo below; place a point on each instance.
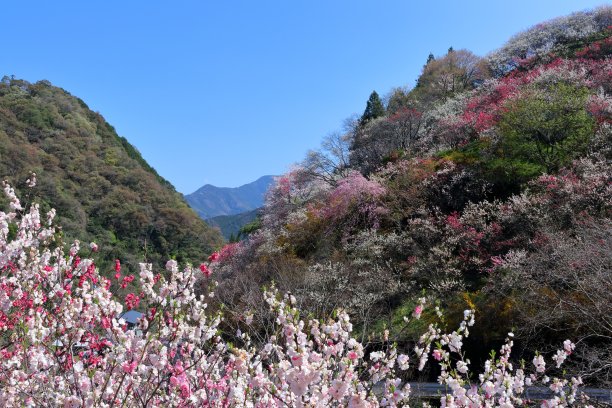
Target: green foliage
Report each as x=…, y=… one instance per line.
x=231, y=226
x=374, y=109
x=540, y=131
x=470, y=154
x=101, y=187
x=506, y=175
x=455, y=72
x=545, y=129
x=400, y=98
x=395, y=321
x=133, y=153
x=251, y=227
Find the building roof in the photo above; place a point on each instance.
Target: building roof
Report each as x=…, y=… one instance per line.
x=131, y=316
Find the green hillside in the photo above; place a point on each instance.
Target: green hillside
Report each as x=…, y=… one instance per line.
x=230, y=225
x=486, y=186
x=102, y=188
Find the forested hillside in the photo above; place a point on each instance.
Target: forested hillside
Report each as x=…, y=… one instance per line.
x=486, y=186
x=102, y=188
x=231, y=226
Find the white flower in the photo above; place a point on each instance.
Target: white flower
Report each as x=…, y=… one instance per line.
x=462, y=367
x=403, y=361
x=539, y=363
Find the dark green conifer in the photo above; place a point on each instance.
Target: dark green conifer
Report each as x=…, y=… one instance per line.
x=374, y=109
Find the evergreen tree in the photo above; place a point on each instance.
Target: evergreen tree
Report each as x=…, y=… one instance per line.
x=430, y=58
x=374, y=109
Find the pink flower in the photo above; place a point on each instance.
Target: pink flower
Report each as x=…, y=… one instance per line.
x=132, y=301
x=418, y=310
x=437, y=354
x=207, y=272
x=117, y=269
x=569, y=347
x=185, y=391
x=403, y=361
x=540, y=365
x=496, y=260
x=128, y=368
x=213, y=257
x=127, y=280
x=297, y=360
x=248, y=319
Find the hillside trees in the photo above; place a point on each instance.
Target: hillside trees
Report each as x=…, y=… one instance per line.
x=542, y=39
x=456, y=72
x=398, y=98
x=547, y=125
x=374, y=109
x=371, y=146
x=565, y=287
x=101, y=186
x=331, y=161
x=512, y=129
x=460, y=176
x=65, y=341
x=380, y=139
x=407, y=120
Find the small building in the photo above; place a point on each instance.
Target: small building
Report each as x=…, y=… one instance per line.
x=131, y=318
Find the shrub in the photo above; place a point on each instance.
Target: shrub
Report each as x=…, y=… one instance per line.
x=546, y=128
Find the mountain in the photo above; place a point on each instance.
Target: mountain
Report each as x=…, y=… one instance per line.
x=102, y=188
x=230, y=225
x=210, y=201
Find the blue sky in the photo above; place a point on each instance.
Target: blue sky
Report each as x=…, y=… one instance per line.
x=223, y=92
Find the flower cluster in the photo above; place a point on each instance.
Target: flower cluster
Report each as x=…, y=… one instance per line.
x=541, y=39
x=65, y=343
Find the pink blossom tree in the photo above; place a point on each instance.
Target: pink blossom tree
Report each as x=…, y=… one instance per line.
x=64, y=343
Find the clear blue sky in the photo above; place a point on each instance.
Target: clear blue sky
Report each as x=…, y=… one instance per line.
x=223, y=92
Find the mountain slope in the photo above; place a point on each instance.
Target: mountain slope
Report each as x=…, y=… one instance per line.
x=230, y=225
x=102, y=188
x=211, y=201
x=485, y=186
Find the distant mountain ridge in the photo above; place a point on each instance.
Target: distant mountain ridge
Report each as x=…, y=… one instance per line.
x=211, y=201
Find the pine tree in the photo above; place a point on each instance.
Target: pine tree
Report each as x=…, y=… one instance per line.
x=430, y=58
x=374, y=109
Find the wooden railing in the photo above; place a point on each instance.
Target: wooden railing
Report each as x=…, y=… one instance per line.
x=431, y=390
